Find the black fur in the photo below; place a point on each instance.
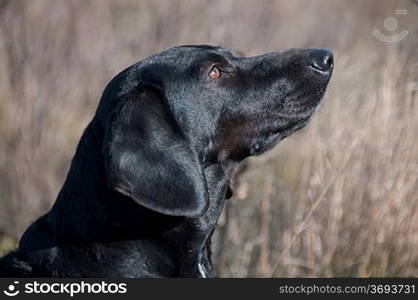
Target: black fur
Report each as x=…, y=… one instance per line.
x=152, y=169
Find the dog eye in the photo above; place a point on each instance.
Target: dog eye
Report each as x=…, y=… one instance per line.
x=215, y=72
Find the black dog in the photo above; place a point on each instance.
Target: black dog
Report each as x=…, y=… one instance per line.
x=152, y=170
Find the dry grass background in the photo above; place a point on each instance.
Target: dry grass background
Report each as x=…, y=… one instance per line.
x=337, y=199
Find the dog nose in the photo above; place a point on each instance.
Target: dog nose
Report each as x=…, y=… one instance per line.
x=322, y=60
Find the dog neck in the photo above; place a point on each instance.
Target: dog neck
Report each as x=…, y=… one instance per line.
x=77, y=211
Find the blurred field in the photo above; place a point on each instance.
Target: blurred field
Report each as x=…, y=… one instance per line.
x=339, y=198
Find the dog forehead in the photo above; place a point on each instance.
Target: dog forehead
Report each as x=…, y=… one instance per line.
x=202, y=49
x=188, y=53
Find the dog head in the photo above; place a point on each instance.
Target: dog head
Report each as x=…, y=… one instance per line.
x=173, y=114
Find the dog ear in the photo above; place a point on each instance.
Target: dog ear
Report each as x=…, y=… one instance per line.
x=150, y=160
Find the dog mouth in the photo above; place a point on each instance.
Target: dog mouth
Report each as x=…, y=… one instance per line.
x=295, y=116
x=281, y=131
x=292, y=126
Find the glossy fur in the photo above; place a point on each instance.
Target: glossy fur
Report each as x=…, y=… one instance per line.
x=152, y=170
